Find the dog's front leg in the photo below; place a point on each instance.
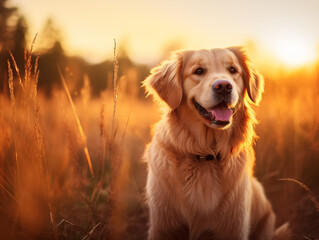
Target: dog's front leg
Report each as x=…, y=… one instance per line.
x=159, y=231
x=234, y=216
x=165, y=224
x=262, y=216
x=241, y=230
x=165, y=221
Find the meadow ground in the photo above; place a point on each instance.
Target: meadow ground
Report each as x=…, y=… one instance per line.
x=77, y=173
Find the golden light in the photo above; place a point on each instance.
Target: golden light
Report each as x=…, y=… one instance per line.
x=295, y=51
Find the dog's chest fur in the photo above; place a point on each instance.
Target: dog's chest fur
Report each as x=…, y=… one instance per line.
x=203, y=191
x=205, y=184
x=201, y=185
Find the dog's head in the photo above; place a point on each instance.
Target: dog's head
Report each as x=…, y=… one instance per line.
x=212, y=83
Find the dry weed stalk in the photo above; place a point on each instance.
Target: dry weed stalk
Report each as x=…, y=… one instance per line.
x=12, y=99
x=103, y=140
x=77, y=119
x=91, y=232
x=304, y=186
x=17, y=71
x=116, y=84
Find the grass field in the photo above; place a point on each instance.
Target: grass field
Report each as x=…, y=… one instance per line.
x=76, y=172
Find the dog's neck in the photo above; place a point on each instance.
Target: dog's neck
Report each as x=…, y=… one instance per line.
x=189, y=135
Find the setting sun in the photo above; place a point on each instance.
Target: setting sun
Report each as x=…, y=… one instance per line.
x=294, y=51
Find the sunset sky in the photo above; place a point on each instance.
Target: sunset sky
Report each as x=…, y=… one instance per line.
x=287, y=28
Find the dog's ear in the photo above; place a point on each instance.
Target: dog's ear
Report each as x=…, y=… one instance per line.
x=254, y=82
x=165, y=81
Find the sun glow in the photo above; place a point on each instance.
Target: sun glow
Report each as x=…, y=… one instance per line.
x=294, y=51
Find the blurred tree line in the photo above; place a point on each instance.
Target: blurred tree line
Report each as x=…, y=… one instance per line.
x=13, y=32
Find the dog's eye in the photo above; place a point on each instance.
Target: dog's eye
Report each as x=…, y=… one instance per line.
x=199, y=71
x=232, y=70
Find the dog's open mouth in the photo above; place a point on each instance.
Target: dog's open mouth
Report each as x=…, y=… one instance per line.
x=219, y=115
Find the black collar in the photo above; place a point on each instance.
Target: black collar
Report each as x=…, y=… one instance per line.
x=209, y=157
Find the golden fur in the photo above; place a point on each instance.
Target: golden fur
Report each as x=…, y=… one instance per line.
x=192, y=199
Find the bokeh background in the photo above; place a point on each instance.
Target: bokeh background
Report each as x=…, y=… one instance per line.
x=74, y=120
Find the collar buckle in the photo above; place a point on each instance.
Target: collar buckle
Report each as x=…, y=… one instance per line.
x=209, y=157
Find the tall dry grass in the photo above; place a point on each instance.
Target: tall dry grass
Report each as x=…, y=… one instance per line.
x=288, y=149
x=24, y=170
x=70, y=168
x=67, y=164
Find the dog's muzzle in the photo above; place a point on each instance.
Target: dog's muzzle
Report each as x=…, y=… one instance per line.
x=219, y=115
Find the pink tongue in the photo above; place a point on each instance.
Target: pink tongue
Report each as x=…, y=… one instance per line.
x=222, y=113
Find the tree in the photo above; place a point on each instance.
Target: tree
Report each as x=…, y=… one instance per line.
x=19, y=43
x=6, y=28
x=6, y=13
x=19, y=35
x=50, y=36
x=13, y=29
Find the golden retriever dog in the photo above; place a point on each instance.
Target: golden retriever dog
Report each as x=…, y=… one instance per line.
x=200, y=183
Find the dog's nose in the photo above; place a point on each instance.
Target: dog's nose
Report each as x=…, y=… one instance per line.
x=222, y=87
